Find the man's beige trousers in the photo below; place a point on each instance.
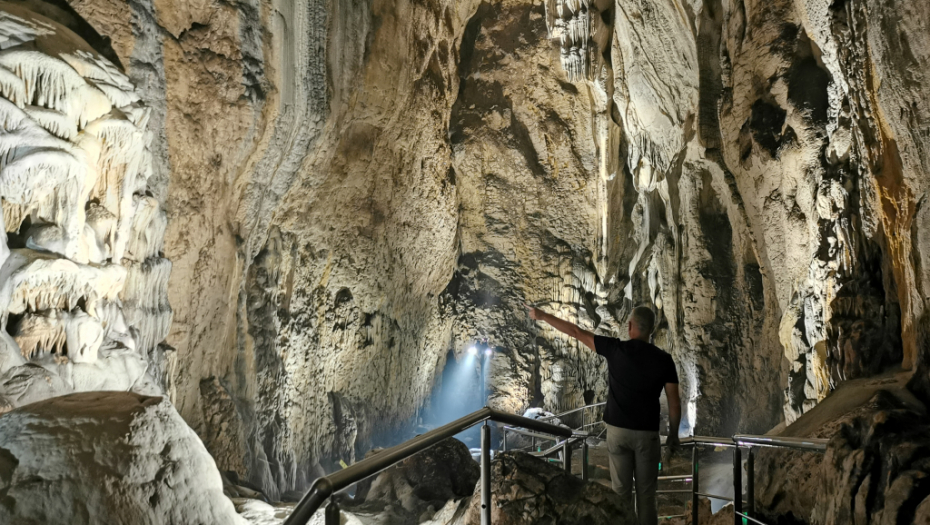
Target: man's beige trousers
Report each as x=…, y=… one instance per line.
x=634, y=458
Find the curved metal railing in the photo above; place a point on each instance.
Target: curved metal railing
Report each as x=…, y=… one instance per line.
x=326, y=486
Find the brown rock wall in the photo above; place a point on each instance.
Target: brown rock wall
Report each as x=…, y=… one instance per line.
x=358, y=187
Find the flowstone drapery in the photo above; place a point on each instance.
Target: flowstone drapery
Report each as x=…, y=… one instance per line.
x=83, y=300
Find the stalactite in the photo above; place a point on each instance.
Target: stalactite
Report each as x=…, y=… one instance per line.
x=73, y=168
x=574, y=23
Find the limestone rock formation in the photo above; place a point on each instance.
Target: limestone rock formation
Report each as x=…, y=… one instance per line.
x=528, y=491
x=414, y=490
x=377, y=184
x=107, y=457
x=874, y=468
x=83, y=284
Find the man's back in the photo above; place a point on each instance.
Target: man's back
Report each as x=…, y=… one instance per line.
x=638, y=371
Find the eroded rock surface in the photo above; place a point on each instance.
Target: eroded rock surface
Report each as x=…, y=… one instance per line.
x=107, y=457
x=529, y=491
x=875, y=467
x=83, y=284
x=359, y=188
x=415, y=489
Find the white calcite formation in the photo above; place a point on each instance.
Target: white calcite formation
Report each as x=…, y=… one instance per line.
x=358, y=188
x=83, y=300
x=575, y=23
x=107, y=457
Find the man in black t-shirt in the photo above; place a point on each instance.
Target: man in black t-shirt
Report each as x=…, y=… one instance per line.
x=638, y=372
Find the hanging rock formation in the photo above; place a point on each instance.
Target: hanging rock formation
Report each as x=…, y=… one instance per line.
x=360, y=189
x=83, y=287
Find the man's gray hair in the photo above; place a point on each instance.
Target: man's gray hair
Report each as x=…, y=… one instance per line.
x=644, y=318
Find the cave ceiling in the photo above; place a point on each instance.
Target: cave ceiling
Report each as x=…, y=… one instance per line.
x=337, y=198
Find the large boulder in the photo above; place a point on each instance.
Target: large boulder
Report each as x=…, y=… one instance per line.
x=415, y=489
x=875, y=467
x=527, y=491
x=107, y=457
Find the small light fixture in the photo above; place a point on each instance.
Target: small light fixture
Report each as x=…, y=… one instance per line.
x=472, y=351
x=489, y=352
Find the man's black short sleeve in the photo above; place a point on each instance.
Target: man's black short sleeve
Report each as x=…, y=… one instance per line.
x=638, y=372
x=604, y=345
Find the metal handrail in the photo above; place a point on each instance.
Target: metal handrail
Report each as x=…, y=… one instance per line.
x=709, y=441
x=737, y=443
x=547, y=418
x=327, y=486
x=816, y=444
x=522, y=432
x=556, y=416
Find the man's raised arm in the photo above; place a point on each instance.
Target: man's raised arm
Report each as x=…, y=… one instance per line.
x=567, y=328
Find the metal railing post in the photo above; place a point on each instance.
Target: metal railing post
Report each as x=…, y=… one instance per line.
x=485, y=474
x=504, y=447
x=584, y=460
x=332, y=513
x=737, y=486
x=534, y=444
x=751, y=483
x=695, y=458
x=567, y=455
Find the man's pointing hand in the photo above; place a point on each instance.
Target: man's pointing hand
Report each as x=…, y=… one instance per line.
x=534, y=313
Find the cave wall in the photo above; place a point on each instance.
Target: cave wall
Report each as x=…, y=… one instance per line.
x=83, y=284
x=771, y=117
x=358, y=187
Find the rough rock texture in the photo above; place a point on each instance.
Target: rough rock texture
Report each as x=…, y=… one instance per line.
x=532, y=200
x=320, y=182
x=415, y=489
x=875, y=468
x=359, y=187
x=83, y=284
x=527, y=491
x=107, y=457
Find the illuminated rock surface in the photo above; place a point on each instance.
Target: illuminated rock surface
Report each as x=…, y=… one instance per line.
x=360, y=190
x=107, y=457
x=83, y=297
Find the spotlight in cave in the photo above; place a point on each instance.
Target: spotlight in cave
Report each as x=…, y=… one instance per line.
x=463, y=388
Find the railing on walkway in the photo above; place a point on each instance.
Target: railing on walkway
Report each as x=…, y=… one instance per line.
x=737, y=443
x=326, y=487
x=535, y=436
